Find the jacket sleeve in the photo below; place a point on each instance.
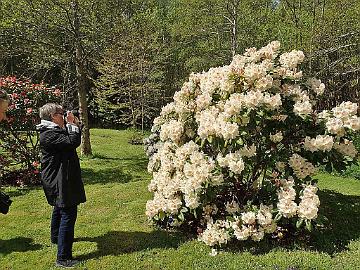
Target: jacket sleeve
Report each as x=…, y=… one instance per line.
x=61, y=141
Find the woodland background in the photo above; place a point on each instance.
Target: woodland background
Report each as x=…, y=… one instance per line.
x=125, y=59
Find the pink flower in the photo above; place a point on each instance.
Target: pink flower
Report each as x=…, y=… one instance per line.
x=57, y=92
x=29, y=110
x=35, y=163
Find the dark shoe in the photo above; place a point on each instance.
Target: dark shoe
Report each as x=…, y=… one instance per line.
x=54, y=241
x=66, y=263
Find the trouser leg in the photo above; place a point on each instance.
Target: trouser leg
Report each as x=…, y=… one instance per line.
x=66, y=232
x=55, y=223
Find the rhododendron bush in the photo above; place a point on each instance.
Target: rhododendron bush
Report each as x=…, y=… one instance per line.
x=19, y=141
x=234, y=155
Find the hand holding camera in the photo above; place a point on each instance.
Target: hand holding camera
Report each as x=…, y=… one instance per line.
x=71, y=118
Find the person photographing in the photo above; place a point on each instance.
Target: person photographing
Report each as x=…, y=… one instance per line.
x=5, y=201
x=61, y=176
x=4, y=104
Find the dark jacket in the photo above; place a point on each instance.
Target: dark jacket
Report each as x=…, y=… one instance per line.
x=60, y=167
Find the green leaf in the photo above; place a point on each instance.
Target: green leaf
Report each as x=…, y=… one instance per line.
x=203, y=142
x=278, y=217
x=161, y=215
x=308, y=225
x=299, y=223
x=181, y=216
x=240, y=141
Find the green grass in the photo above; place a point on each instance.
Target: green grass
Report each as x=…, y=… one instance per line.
x=112, y=231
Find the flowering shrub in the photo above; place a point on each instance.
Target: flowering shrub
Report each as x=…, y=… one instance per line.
x=233, y=157
x=19, y=141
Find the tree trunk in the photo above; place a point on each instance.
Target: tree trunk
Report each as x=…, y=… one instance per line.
x=81, y=84
x=232, y=8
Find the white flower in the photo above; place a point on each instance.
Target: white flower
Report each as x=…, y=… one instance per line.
x=320, y=143
x=291, y=59
x=264, y=83
x=317, y=86
x=308, y=207
x=280, y=165
x=248, y=217
x=257, y=235
x=214, y=235
x=248, y=151
x=335, y=126
x=345, y=110
x=232, y=207
x=242, y=233
x=264, y=216
x=192, y=200
x=346, y=148
x=277, y=137
x=172, y=130
x=352, y=123
x=303, y=109
x=301, y=167
x=287, y=208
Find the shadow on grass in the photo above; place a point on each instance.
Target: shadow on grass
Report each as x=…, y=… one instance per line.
x=105, y=175
x=18, y=244
x=340, y=218
x=341, y=222
x=20, y=191
x=114, y=170
x=117, y=243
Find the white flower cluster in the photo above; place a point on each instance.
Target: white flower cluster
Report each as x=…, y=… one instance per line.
x=344, y=116
x=182, y=170
x=229, y=133
x=286, y=196
x=292, y=59
x=347, y=148
x=317, y=86
x=320, y=143
x=276, y=137
x=309, y=205
x=251, y=224
x=233, y=161
x=301, y=167
x=216, y=233
x=254, y=225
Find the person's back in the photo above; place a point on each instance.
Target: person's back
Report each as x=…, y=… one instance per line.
x=60, y=167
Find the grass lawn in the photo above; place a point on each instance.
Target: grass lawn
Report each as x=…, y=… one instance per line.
x=112, y=231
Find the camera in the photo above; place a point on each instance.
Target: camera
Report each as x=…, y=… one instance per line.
x=76, y=113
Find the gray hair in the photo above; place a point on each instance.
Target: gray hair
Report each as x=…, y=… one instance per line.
x=49, y=109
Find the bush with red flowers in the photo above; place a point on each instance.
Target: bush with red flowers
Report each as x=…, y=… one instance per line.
x=19, y=140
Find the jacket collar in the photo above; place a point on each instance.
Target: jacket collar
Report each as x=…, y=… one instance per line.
x=47, y=124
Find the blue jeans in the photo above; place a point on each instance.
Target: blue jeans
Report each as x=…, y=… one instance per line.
x=62, y=230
